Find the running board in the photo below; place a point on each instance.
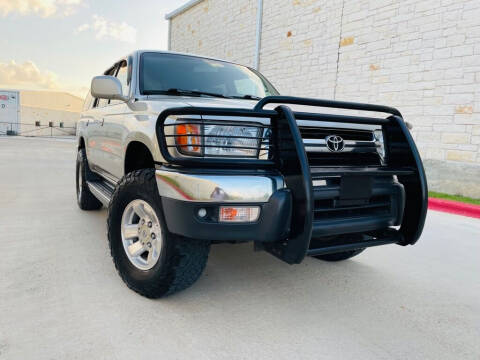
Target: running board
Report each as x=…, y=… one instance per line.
x=102, y=190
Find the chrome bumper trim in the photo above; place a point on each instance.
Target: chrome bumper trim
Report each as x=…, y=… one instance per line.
x=217, y=188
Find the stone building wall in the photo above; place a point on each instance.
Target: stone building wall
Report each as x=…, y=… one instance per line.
x=421, y=56
x=217, y=28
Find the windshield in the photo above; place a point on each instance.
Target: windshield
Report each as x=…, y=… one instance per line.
x=173, y=74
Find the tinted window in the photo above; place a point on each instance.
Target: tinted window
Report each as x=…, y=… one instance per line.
x=160, y=72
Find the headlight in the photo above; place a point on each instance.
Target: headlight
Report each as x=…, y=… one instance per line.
x=233, y=140
x=379, y=143
x=211, y=140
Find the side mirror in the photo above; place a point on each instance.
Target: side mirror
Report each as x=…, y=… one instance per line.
x=107, y=87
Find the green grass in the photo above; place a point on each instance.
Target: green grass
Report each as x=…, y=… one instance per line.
x=460, y=198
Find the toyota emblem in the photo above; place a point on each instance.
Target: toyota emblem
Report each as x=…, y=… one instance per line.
x=334, y=143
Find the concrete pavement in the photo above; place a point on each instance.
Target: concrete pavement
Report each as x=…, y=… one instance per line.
x=60, y=297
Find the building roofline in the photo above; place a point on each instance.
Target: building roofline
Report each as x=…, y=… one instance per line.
x=182, y=9
x=51, y=91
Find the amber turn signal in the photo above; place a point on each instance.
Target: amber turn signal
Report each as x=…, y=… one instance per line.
x=188, y=138
x=239, y=213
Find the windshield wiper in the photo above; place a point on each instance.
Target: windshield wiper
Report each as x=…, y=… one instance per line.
x=175, y=91
x=248, y=96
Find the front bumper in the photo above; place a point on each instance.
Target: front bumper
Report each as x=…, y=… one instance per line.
x=368, y=201
x=215, y=186
x=184, y=193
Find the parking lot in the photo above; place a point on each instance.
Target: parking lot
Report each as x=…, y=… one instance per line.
x=60, y=297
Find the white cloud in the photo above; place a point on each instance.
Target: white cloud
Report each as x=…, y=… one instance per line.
x=81, y=28
x=29, y=77
x=44, y=8
x=26, y=75
x=106, y=29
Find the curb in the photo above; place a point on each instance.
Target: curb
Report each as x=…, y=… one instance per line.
x=454, y=207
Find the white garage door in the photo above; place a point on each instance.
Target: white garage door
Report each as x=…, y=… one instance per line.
x=9, y=111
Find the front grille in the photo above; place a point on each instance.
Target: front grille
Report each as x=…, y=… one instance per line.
x=343, y=159
x=310, y=132
x=334, y=209
x=360, y=147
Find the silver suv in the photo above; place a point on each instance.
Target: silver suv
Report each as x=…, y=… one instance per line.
x=188, y=151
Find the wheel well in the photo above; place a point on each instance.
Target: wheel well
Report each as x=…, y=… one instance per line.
x=138, y=157
x=81, y=143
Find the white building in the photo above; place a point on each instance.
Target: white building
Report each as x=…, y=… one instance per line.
x=422, y=56
x=31, y=112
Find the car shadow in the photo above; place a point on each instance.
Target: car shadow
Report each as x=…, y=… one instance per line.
x=236, y=270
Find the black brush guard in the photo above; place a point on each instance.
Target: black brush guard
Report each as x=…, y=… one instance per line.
x=288, y=156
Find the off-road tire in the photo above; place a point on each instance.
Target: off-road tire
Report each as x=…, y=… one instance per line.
x=181, y=261
x=85, y=199
x=339, y=256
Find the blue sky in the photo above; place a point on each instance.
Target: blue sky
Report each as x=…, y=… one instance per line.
x=62, y=44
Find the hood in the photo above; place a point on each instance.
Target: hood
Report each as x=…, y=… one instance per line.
x=222, y=103
x=158, y=103
x=154, y=105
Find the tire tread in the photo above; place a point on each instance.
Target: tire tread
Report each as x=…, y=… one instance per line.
x=185, y=259
x=88, y=201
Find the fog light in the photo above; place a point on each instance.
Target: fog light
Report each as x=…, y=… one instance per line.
x=239, y=214
x=202, y=212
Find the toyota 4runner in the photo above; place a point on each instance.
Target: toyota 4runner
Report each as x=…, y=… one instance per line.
x=188, y=151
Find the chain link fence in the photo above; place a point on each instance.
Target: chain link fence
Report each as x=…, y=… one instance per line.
x=36, y=129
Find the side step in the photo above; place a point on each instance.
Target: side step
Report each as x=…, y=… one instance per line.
x=102, y=190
